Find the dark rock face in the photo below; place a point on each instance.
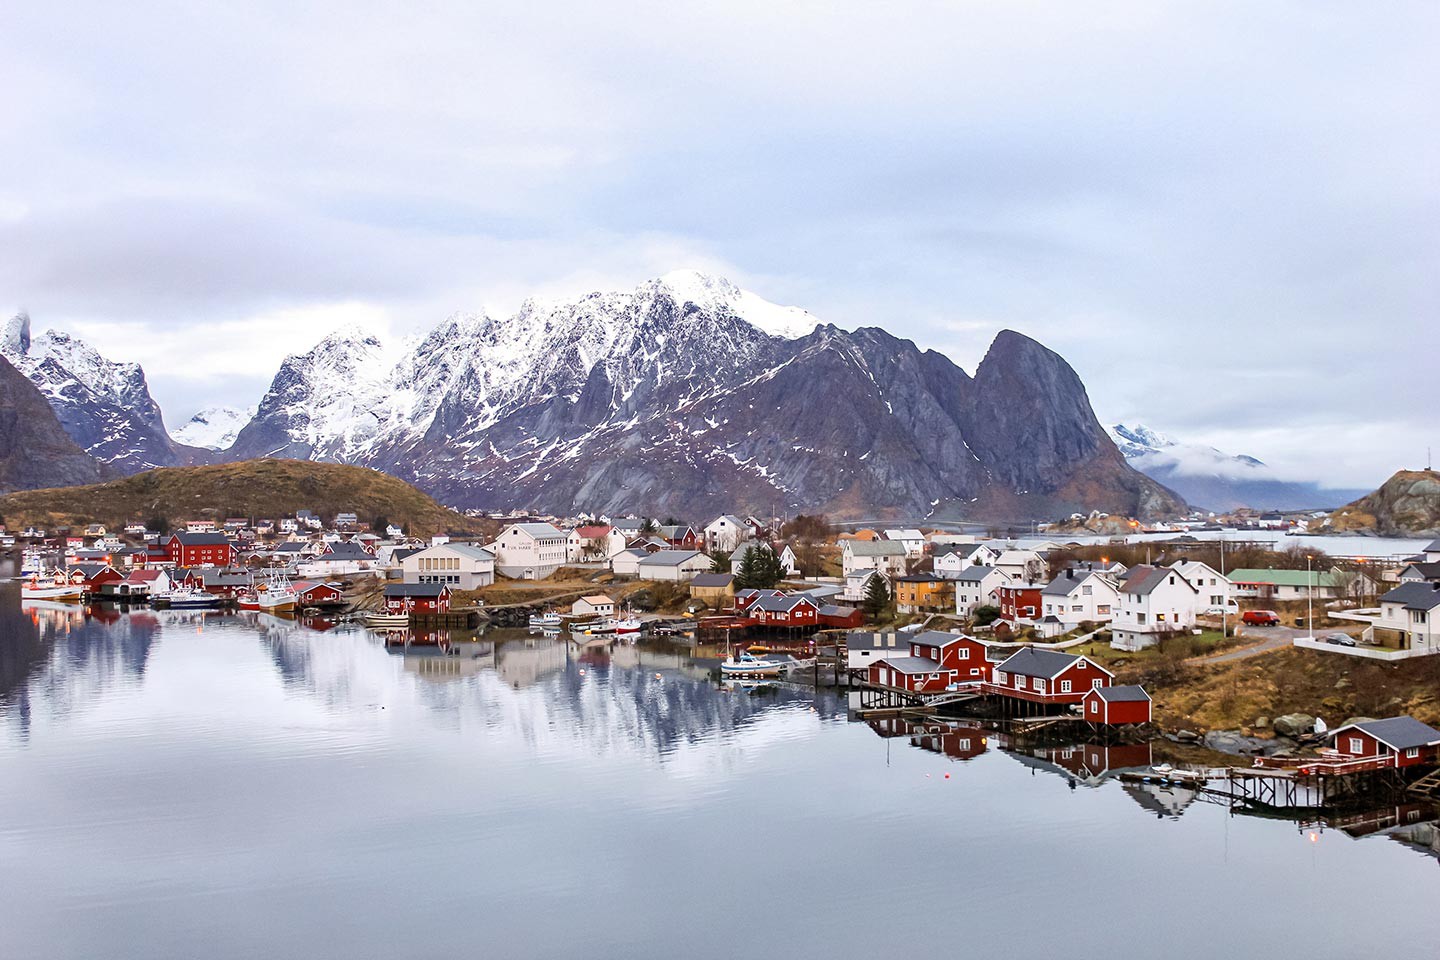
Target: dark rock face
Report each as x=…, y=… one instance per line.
x=105, y=407
x=656, y=402
x=35, y=450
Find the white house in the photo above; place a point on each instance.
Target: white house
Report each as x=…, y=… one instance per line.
x=1152, y=601
x=786, y=557
x=913, y=541
x=863, y=647
x=725, y=532
x=595, y=605
x=975, y=587
x=1073, y=598
x=673, y=565
x=337, y=559
x=462, y=566
x=886, y=556
x=1432, y=551
x=949, y=563
x=626, y=563
x=857, y=582
x=1412, y=612
x=1021, y=564
x=530, y=551
x=1215, y=588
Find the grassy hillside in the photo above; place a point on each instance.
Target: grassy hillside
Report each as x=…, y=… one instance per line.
x=1408, y=504
x=250, y=488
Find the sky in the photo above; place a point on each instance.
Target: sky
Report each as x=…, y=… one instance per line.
x=1226, y=216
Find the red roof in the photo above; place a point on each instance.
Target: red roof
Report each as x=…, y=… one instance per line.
x=593, y=532
x=144, y=574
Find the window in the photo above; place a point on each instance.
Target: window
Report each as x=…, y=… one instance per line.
x=964, y=653
x=1094, y=706
x=965, y=743
x=1087, y=590
x=1413, y=752
x=1096, y=684
x=1039, y=685
x=1064, y=686
x=1357, y=746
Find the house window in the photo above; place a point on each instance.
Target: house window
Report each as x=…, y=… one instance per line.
x=1039, y=685
x=1413, y=752
x=1357, y=746
x=964, y=653
x=1064, y=686
x=1094, y=705
x=1096, y=684
x=965, y=744
x=1087, y=590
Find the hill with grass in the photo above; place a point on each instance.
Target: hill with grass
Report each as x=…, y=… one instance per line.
x=250, y=488
x=1406, y=505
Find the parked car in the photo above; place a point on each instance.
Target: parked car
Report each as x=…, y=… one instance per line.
x=1339, y=639
x=1227, y=609
x=1261, y=618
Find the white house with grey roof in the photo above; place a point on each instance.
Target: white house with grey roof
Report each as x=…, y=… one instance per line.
x=911, y=539
x=951, y=561
x=462, y=566
x=674, y=565
x=1074, y=598
x=885, y=556
x=725, y=532
x=1153, y=601
x=1412, y=613
x=975, y=586
x=530, y=551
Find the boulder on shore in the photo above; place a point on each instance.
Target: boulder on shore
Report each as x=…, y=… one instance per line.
x=1294, y=725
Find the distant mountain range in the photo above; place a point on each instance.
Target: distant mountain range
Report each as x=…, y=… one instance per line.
x=685, y=396
x=1217, y=481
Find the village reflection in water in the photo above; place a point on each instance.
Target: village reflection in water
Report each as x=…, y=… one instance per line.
x=661, y=694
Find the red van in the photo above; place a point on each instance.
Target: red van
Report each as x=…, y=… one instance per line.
x=1261, y=618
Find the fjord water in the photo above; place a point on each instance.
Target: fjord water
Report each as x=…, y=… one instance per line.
x=200, y=785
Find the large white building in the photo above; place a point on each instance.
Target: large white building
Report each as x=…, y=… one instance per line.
x=530, y=551
x=1412, y=612
x=951, y=562
x=1215, y=588
x=725, y=532
x=886, y=556
x=1076, y=597
x=462, y=566
x=673, y=565
x=1153, y=601
x=975, y=586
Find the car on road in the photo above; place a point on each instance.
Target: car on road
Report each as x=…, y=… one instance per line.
x=1261, y=618
x=1339, y=639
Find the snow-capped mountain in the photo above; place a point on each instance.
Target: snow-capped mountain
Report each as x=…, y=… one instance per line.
x=1209, y=478
x=105, y=407
x=213, y=428
x=688, y=394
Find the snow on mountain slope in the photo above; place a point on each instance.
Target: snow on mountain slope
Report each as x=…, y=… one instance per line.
x=104, y=406
x=718, y=294
x=214, y=427
x=1210, y=478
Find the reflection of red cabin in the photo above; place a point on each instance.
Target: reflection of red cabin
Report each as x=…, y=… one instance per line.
x=1048, y=676
x=1112, y=705
x=1399, y=741
x=314, y=593
x=1019, y=601
x=1094, y=759
x=955, y=742
x=417, y=598
x=784, y=611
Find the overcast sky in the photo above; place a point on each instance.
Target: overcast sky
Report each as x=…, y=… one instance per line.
x=1226, y=216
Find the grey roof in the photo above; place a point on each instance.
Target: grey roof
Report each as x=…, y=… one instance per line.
x=464, y=549
x=401, y=553
x=1429, y=569
x=779, y=604
x=669, y=558
x=1398, y=733
x=1143, y=579
x=1128, y=693
x=203, y=539
x=540, y=530
x=345, y=551
x=832, y=610
x=414, y=589
x=1066, y=582
x=823, y=591
x=291, y=546
x=876, y=640
x=1030, y=662
x=1433, y=546
x=913, y=664
x=937, y=638
x=1414, y=596
x=712, y=580
x=225, y=578
x=975, y=573
x=876, y=548
x=733, y=520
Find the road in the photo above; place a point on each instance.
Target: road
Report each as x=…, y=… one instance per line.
x=1269, y=638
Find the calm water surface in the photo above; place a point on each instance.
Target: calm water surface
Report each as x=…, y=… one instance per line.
x=185, y=785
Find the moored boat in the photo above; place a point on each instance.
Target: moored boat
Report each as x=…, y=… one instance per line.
x=387, y=619
x=593, y=628
x=184, y=598
x=276, y=595
x=54, y=587
x=749, y=665
x=540, y=621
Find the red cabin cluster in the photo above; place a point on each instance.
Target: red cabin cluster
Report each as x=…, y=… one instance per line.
x=417, y=598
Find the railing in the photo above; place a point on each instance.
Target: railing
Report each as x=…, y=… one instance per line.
x=1306, y=766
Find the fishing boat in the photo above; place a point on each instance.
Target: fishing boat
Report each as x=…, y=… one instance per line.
x=186, y=598
x=629, y=623
x=387, y=620
x=32, y=562
x=540, y=621
x=749, y=665
x=57, y=586
x=247, y=601
x=276, y=595
x=593, y=628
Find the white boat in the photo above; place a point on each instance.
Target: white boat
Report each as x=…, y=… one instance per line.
x=184, y=598
x=54, y=587
x=629, y=625
x=32, y=562
x=593, y=628
x=540, y=621
x=387, y=619
x=749, y=665
x=276, y=595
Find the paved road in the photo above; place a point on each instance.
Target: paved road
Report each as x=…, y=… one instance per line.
x=1265, y=639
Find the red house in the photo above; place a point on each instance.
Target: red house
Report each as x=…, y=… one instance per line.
x=937, y=661
x=845, y=618
x=315, y=593
x=744, y=598
x=1048, y=676
x=92, y=575
x=681, y=537
x=200, y=550
x=1115, y=705
x=783, y=611
x=958, y=742
x=1019, y=601
x=1399, y=741
x=417, y=598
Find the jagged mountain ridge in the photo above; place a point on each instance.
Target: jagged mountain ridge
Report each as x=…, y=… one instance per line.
x=669, y=398
x=105, y=407
x=1209, y=478
x=213, y=428
x=35, y=451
